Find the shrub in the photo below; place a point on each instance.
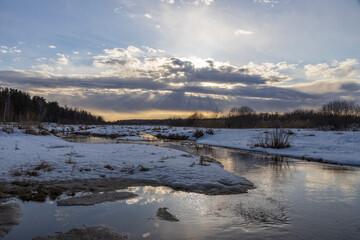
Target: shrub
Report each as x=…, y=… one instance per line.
x=172, y=136
x=210, y=131
x=198, y=133
x=276, y=138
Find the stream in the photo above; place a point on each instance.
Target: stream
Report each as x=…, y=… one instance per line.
x=293, y=199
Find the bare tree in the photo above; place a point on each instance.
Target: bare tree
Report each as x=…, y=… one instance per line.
x=341, y=107
x=243, y=110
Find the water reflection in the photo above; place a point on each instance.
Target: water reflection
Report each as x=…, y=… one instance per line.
x=10, y=216
x=87, y=139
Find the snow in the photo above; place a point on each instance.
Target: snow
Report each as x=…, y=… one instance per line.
x=21, y=153
x=331, y=147
x=340, y=147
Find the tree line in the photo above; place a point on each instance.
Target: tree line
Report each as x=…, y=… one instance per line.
x=334, y=115
x=18, y=106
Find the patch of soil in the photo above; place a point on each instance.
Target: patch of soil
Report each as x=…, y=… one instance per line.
x=95, y=198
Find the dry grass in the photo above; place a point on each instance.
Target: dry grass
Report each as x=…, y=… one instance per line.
x=109, y=167
x=202, y=161
x=276, y=138
x=45, y=166
x=70, y=161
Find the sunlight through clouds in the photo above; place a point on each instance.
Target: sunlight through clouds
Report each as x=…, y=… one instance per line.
x=182, y=55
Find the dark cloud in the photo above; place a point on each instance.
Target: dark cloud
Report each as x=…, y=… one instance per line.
x=34, y=79
x=351, y=87
x=141, y=94
x=177, y=70
x=138, y=94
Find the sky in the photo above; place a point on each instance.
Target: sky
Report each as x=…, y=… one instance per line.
x=143, y=59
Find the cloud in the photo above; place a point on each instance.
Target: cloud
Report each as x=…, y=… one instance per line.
x=147, y=15
x=75, y=52
x=5, y=49
x=142, y=94
x=43, y=67
x=243, y=32
x=14, y=50
x=52, y=46
x=267, y=2
x=135, y=79
x=193, y=2
x=62, y=60
x=206, y=2
x=169, y=1
x=117, y=10
x=350, y=86
x=349, y=68
x=143, y=79
x=133, y=62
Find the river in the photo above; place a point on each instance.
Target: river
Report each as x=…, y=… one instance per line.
x=293, y=199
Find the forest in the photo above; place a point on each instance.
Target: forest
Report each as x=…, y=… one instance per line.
x=18, y=106
x=334, y=115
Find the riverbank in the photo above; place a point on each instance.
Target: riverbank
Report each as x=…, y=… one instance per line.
x=337, y=147
x=32, y=161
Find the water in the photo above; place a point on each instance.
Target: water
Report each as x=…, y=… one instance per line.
x=293, y=199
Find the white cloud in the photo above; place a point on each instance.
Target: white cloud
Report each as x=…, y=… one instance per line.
x=269, y=2
x=270, y=71
x=52, y=46
x=147, y=15
x=14, y=50
x=206, y=2
x=43, y=67
x=75, y=52
x=285, y=65
x=169, y=1
x=117, y=10
x=62, y=60
x=192, y=2
x=41, y=59
x=243, y=32
x=153, y=51
x=5, y=49
x=350, y=68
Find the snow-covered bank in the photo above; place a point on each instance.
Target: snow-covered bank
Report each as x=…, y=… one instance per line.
x=49, y=158
x=330, y=147
x=340, y=147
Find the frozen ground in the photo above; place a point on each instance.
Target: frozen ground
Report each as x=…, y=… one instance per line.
x=49, y=158
x=341, y=147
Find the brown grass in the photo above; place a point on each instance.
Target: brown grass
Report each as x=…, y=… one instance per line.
x=277, y=138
